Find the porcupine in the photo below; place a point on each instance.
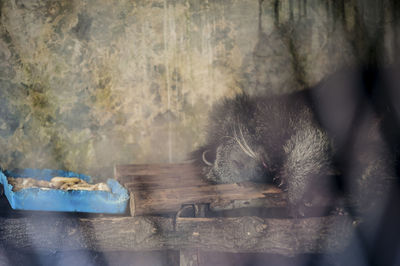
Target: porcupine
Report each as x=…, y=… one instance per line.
x=279, y=139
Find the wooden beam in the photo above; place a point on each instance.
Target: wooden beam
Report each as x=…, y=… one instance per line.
x=58, y=232
x=170, y=200
x=164, y=188
x=271, y=200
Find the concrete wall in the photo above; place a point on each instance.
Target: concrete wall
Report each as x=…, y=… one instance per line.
x=86, y=84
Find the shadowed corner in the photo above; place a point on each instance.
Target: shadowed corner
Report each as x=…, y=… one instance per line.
x=364, y=129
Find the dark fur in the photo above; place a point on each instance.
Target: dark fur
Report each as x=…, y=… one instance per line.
x=280, y=139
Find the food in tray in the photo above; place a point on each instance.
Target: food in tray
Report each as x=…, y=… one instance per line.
x=64, y=183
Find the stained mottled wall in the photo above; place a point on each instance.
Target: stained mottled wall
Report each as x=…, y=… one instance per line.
x=86, y=84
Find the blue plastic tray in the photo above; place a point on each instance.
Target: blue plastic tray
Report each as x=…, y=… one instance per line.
x=38, y=199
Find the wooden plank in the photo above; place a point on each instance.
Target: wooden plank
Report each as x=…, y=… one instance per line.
x=169, y=200
x=64, y=232
x=278, y=200
x=243, y=234
x=277, y=236
x=164, y=188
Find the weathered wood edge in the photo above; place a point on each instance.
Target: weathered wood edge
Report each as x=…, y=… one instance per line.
x=170, y=200
x=159, y=189
x=289, y=237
